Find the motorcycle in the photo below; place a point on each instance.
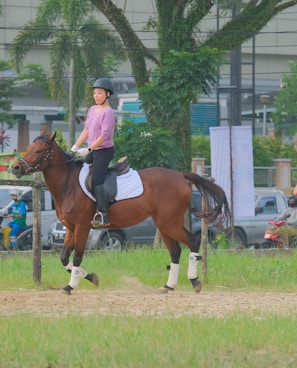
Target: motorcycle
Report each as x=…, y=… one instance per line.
x=24, y=239
x=273, y=238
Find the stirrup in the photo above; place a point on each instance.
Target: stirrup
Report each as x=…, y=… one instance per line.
x=98, y=224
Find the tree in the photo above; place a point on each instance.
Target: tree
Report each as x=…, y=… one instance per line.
x=4, y=139
x=8, y=90
x=285, y=114
x=81, y=49
x=155, y=146
x=175, y=84
x=177, y=26
x=33, y=75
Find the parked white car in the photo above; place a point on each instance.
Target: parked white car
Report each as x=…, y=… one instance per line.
x=48, y=213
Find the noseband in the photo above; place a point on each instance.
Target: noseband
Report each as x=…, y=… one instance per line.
x=48, y=155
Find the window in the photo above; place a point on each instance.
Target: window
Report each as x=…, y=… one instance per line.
x=268, y=205
x=27, y=198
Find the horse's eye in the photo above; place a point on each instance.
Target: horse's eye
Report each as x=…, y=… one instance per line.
x=38, y=151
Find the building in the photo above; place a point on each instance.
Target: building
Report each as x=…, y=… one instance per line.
x=266, y=57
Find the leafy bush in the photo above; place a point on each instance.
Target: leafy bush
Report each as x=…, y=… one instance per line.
x=201, y=147
x=265, y=150
x=146, y=146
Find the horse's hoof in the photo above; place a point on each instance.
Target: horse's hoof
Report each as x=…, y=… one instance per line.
x=94, y=279
x=66, y=290
x=164, y=289
x=197, y=286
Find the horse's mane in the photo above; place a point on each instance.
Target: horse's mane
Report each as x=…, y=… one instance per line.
x=68, y=156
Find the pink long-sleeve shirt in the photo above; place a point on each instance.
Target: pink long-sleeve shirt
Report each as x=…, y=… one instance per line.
x=100, y=123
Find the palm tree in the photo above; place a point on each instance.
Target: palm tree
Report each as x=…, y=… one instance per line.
x=80, y=50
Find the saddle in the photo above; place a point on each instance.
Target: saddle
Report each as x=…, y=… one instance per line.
x=121, y=167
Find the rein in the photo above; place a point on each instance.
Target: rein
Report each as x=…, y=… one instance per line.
x=70, y=168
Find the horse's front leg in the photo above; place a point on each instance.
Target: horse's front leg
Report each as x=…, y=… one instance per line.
x=74, y=268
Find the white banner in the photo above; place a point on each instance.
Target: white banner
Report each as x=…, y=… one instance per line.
x=237, y=167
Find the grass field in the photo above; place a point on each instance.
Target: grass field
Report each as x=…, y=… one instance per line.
x=77, y=339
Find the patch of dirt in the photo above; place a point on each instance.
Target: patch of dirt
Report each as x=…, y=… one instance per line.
x=136, y=299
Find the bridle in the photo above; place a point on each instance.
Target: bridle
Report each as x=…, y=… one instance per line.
x=48, y=155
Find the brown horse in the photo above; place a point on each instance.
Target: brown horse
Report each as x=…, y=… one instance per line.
x=166, y=197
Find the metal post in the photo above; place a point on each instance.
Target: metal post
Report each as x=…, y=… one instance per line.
x=264, y=120
x=264, y=99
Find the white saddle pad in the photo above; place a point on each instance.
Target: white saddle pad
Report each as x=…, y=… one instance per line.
x=129, y=185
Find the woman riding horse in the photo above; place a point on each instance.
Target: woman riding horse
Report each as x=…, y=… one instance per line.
x=166, y=197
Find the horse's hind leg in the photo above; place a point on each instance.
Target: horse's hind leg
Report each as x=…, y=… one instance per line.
x=193, y=243
x=194, y=257
x=174, y=251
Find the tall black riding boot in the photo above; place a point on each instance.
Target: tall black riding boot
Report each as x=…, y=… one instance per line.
x=101, y=217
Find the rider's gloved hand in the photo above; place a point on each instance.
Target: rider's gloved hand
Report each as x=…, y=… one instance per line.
x=74, y=148
x=82, y=152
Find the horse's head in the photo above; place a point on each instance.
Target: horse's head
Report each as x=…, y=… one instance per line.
x=36, y=158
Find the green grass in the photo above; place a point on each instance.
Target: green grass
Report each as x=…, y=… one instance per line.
x=252, y=270
x=230, y=270
x=74, y=340
x=236, y=341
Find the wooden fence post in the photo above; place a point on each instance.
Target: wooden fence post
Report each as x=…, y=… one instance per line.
x=36, y=246
x=204, y=238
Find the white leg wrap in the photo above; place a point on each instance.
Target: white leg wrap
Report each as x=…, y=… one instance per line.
x=173, y=275
x=69, y=266
x=76, y=274
x=193, y=265
x=83, y=273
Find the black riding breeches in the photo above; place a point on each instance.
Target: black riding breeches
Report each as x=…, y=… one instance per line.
x=101, y=160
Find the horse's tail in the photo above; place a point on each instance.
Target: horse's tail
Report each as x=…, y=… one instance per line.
x=216, y=203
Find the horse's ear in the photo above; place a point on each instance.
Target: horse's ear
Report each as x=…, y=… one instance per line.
x=52, y=136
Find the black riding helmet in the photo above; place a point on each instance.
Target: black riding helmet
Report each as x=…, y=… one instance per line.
x=105, y=84
x=292, y=201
